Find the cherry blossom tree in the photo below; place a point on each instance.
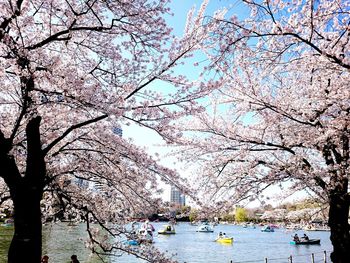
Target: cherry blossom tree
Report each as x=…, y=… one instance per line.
x=71, y=73
x=281, y=115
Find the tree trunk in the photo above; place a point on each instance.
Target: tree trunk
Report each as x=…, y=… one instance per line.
x=26, y=242
x=26, y=193
x=338, y=222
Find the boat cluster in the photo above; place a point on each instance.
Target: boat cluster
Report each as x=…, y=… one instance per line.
x=304, y=240
x=144, y=234
x=209, y=228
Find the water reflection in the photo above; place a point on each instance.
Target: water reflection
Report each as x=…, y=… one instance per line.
x=60, y=241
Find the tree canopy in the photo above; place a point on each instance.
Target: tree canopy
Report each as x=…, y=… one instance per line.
x=281, y=112
x=72, y=73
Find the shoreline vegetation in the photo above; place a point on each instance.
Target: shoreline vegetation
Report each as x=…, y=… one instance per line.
x=306, y=214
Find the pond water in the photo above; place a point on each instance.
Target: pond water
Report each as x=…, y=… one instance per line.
x=250, y=245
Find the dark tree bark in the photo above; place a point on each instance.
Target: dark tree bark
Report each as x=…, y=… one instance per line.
x=338, y=221
x=26, y=193
x=26, y=242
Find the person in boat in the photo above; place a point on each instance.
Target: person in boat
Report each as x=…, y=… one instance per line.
x=74, y=259
x=133, y=231
x=305, y=237
x=45, y=259
x=220, y=235
x=145, y=236
x=168, y=228
x=224, y=235
x=296, y=238
x=148, y=227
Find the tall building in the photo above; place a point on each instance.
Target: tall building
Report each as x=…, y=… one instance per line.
x=99, y=184
x=118, y=131
x=176, y=197
x=82, y=183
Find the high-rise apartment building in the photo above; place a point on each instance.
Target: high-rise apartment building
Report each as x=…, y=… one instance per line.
x=118, y=131
x=177, y=197
x=100, y=184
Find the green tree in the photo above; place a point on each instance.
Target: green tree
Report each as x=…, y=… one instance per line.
x=193, y=214
x=241, y=215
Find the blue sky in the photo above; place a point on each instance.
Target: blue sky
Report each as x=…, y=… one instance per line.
x=180, y=9
x=148, y=138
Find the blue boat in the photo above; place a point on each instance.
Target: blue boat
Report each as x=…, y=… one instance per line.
x=8, y=222
x=133, y=242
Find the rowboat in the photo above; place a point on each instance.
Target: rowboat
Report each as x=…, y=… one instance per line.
x=250, y=225
x=8, y=222
x=132, y=242
x=267, y=229
x=226, y=240
x=306, y=242
x=167, y=230
x=205, y=228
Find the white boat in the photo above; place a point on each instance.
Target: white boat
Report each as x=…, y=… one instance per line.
x=267, y=229
x=145, y=236
x=140, y=234
x=294, y=227
x=317, y=228
x=249, y=225
x=205, y=228
x=8, y=222
x=147, y=226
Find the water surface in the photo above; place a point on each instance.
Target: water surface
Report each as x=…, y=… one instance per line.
x=250, y=245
